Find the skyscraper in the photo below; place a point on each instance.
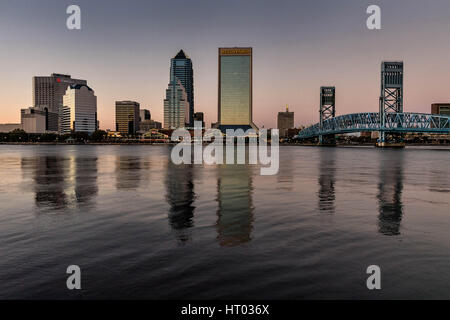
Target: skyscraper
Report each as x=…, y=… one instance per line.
x=127, y=117
x=181, y=69
x=235, y=89
x=176, y=106
x=48, y=95
x=79, y=111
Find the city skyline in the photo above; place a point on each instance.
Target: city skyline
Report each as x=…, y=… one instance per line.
x=224, y=158
x=293, y=54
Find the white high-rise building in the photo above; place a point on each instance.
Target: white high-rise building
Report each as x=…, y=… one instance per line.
x=176, y=106
x=79, y=111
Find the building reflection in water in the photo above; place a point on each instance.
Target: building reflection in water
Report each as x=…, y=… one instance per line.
x=128, y=172
x=390, y=188
x=235, y=207
x=53, y=184
x=181, y=197
x=327, y=172
x=286, y=172
x=86, y=185
x=48, y=174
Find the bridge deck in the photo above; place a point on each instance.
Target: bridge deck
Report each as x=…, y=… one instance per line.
x=370, y=121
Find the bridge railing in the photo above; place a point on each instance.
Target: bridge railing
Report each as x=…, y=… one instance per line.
x=370, y=121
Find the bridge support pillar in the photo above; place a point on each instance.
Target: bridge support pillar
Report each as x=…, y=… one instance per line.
x=327, y=140
x=393, y=145
x=327, y=111
x=391, y=102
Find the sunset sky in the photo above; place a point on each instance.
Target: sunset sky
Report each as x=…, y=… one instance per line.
x=124, y=48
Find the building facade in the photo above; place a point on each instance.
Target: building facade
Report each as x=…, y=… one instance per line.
x=285, y=122
x=235, y=102
x=127, y=117
x=34, y=120
x=181, y=69
x=8, y=127
x=200, y=117
x=145, y=114
x=441, y=108
x=79, y=110
x=148, y=125
x=176, y=106
x=48, y=93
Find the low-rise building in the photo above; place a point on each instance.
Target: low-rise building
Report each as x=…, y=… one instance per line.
x=441, y=108
x=33, y=120
x=148, y=125
x=8, y=127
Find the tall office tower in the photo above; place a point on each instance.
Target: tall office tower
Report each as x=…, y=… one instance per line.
x=235, y=89
x=285, y=122
x=79, y=111
x=127, y=117
x=181, y=69
x=48, y=95
x=176, y=106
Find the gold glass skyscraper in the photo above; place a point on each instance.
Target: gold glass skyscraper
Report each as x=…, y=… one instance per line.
x=235, y=103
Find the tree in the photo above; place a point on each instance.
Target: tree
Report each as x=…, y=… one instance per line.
x=80, y=136
x=48, y=137
x=99, y=135
x=18, y=135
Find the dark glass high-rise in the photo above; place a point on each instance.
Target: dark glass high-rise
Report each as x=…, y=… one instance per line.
x=181, y=68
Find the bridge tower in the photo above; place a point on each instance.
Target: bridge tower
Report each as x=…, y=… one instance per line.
x=391, y=100
x=327, y=111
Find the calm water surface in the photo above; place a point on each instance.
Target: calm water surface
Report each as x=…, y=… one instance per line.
x=141, y=227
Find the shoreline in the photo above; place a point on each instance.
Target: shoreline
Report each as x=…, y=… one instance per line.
x=174, y=143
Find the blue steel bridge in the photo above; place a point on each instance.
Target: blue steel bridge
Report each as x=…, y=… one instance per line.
x=391, y=122
x=370, y=121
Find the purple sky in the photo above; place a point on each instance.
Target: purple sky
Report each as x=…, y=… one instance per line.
x=124, y=50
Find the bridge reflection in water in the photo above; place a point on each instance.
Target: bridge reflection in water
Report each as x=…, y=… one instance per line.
x=390, y=188
x=327, y=170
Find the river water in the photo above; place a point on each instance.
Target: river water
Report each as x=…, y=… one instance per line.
x=141, y=227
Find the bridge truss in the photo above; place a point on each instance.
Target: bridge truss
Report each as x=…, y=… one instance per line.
x=371, y=121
